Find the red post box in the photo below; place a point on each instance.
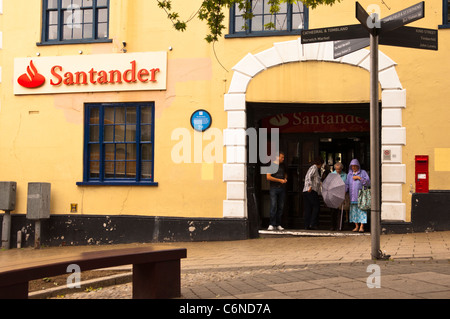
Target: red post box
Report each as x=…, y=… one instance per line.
x=422, y=176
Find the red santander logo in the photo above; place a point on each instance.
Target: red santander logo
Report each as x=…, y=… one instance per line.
x=32, y=79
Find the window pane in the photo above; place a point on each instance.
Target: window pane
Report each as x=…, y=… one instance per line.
x=66, y=3
x=146, y=170
x=239, y=24
x=283, y=8
x=131, y=169
x=257, y=23
x=109, y=152
x=146, y=115
x=103, y=15
x=53, y=17
x=87, y=31
x=146, y=152
x=88, y=16
x=108, y=134
x=94, y=133
x=146, y=133
x=102, y=31
x=102, y=3
x=109, y=115
x=67, y=33
x=94, y=116
x=109, y=169
x=131, y=152
x=119, y=134
x=258, y=7
x=131, y=115
x=87, y=3
x=297, y=7
x=120, y=115
x=297, y=21
x=281, y=23
x=94, y=152
x=52, y=4
x=77, y=32
x=120, y=152
x=53, y=32
x=120, y=169
x=94, y=169
x=131, y=133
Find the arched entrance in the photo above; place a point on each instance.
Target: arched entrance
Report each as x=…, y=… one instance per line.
x=235, y=137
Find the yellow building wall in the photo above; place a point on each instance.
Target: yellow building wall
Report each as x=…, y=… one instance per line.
x=41, y=137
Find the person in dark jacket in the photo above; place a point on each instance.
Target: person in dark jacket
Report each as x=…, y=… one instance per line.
x=277, y=193
x=311, y=201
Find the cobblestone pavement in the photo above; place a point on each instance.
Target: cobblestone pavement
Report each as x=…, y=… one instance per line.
x=309, y=268
x=398, y=280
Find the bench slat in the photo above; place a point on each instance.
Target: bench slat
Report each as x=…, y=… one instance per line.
x=15, y=275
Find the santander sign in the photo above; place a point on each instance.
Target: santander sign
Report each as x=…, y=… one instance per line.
x=91, y=73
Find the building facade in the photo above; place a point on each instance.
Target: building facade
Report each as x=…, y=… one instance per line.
x=147, y=134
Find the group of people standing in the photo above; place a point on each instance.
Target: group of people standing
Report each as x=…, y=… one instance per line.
x=354, y=181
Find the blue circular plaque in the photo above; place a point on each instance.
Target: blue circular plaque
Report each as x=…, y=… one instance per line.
x=201, y=120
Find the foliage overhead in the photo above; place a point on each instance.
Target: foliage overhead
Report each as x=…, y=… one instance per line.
x=212, y=11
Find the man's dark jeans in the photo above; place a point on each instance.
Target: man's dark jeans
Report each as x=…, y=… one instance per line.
x=277, y=198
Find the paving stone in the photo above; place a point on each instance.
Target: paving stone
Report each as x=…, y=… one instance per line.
x=297, y=267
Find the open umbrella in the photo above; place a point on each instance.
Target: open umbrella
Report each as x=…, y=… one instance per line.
x=333, y=190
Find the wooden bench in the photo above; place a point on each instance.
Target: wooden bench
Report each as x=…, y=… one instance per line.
x=156, y=273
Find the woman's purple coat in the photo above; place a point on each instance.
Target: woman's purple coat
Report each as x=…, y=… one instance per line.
x=353, y=186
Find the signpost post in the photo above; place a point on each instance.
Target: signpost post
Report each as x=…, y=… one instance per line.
x=372, y=31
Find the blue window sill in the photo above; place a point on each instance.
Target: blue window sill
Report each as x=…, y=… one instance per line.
x=87, y=41
x=444, y=26
x=117, y=183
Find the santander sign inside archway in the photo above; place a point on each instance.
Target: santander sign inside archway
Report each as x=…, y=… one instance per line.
x=90, y=73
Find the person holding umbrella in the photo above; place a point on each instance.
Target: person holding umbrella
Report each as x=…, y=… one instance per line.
x=356, y=179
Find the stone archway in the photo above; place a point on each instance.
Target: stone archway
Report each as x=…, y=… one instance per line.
x=393, y=133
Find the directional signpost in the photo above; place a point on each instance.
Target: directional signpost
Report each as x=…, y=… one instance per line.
x=372, y=31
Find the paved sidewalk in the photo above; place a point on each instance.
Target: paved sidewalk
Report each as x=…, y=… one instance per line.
x=297, y=267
